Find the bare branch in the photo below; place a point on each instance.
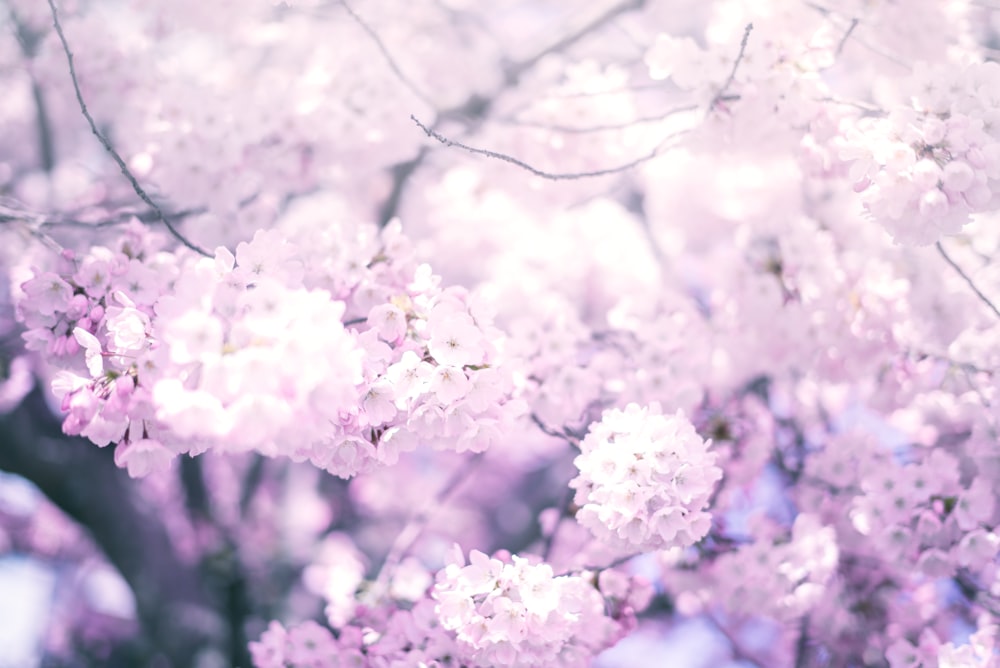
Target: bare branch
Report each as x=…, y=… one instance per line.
x=827, y=12
x=802, y=644
x=401, y=173
x=411, y=532
x=176, y=611
x=552, y=176
x=393, y=65
x=605, y=127
x=29, y=41
x=107, y=144
x=966, y=278
x=12, y=211
x=863, y=106
x=847, y=35
x=732, y=73
x=516, y=70
x=740, y=653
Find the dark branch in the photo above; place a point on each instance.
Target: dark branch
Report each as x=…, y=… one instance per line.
x=552, y=176
x=393, y=65
x=732, y=73
x=416, y=525
x=11, y=211
x=600, y=127
x=518, y=69
x=84, y=482
x=966, y=278
x=401, y=174
x=847, y=36
x=29, y=40
x=107, y=144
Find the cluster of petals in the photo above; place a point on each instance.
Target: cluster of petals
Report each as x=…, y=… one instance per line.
x=981, y=651
x=645, y=480
x=924, y=514
x=258, y=350
x=780, y=579
x=388, y=638
x=518, y=613
x=923, y=169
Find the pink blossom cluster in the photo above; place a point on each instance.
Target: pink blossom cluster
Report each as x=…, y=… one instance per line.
x=645, y=479
x=934, y=160
x=518, y=613
x=384, y=638
x=491, y=612
x=922, y=513
x=170, y=354
x=783, y=578
x=982, y=650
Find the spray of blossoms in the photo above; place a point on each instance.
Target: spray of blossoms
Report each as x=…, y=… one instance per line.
x=645, y=479
x=170, y=354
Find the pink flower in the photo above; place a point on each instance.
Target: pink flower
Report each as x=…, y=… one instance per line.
x=143, y=457
x=449, y=383
x=389, y=321
x=455, y=340
x=47, y=293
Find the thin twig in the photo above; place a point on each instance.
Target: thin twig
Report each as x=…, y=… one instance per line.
x=474, y=108
x=18, y=215
x=847, y=35
x=600, y=127
x=549, y=542
x=739, y=652
x=515, y=71
x=393, y=65
x=416, y=525
x=553, y=176
x=863, y=106
x=107, y=144
x=827, y=12
x=732, y=73
x=966, y=278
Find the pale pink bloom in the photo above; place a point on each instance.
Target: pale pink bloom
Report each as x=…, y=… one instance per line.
x=378, y=404
x=449, y=384
x=128, y=330
x=389, y=321
x=644, y=480
x=47, y=293
x=456, y=341
x=143, y=457
x=92, y=351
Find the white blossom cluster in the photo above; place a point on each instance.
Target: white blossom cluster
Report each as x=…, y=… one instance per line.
x=930, y=164
x=645, y=479
x=521, y=614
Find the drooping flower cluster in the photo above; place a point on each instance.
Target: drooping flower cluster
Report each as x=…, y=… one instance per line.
x=645, y=479
x=521, y=614
x=931, y=163
x=168, y=354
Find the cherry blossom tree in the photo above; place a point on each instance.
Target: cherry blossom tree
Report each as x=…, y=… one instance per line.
x=469, y=334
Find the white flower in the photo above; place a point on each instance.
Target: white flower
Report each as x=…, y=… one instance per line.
x=455, y=340
x=128, y=329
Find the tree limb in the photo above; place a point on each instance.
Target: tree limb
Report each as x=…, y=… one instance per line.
x=84, y=482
